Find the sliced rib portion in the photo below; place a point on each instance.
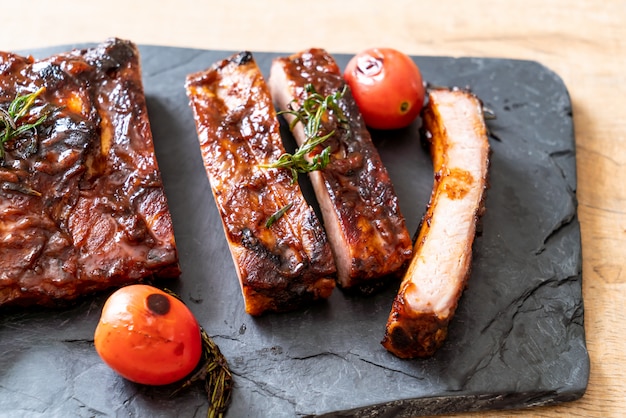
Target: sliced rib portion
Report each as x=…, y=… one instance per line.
x=288, y=263
x=82, y=204
x=441, y=263
x=361, y=214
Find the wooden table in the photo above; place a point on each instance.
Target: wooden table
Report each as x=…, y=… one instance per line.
x=582, y=41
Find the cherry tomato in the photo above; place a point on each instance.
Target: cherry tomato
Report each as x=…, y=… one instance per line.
x=387, y=86
x=148, y=336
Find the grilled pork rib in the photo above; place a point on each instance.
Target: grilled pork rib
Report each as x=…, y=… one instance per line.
x=82, y=205
x=361, y=214
x=441, y=263
x=288, y=263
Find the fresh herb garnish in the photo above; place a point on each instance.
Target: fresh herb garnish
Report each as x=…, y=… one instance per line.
x=213, y=371
x=277, y=215
x=311, y=113
x=20, y=188
x=11, y=121
x=218, y=380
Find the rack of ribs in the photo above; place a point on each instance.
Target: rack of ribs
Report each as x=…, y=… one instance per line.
x=360, y=209
x=283, y=264
x=430, y=291
x=82, y=204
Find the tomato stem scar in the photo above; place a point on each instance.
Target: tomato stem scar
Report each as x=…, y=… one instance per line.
x=158, y=304
x=370, y=66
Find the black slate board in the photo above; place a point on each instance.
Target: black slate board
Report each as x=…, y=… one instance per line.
x=517, y=339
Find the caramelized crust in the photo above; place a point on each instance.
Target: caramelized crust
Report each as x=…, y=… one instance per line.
x=441, y=263
x=288, y=264
x=87, y=210
x=361, y=213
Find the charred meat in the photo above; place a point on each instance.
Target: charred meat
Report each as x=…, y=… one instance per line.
x=362, y=217
x=430, y=291
x=278, y=246
x=82, y=204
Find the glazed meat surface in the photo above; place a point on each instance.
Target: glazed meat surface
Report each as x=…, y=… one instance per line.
x=360, y=209
x=436, y=277
x=288, y=263
x=82, y=205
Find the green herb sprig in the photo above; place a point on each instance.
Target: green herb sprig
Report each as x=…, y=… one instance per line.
x=11, y=118
x=278, y=214
x=310, y=114
x=217, y=378
x=213, y=371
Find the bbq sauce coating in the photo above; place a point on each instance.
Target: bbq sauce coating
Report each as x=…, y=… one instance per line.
x=430, y=291
x=87, y=211
x=289, y=264
x=361, y=213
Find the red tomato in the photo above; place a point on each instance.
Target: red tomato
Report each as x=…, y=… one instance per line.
x=148, y=336
x=387, y=86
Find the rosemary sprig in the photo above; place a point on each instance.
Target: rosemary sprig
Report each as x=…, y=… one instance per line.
x=10, y=119
x=213, y=370
x=218, y=381
x=20, y=188
x=311, y=113
x=297, y=161
x=278, y=214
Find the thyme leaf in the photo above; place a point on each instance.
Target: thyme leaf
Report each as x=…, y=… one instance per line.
x=11, y=124
x=311, y=113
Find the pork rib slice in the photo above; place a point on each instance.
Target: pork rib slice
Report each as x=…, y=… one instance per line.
x=429, y=293
x=284, y=265
x=360, y=209
x=84, y=210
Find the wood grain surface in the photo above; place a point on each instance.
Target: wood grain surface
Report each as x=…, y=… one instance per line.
x=582, y=41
